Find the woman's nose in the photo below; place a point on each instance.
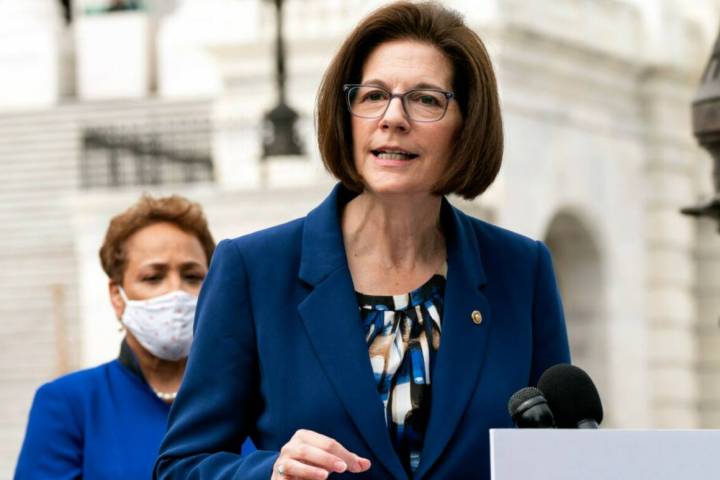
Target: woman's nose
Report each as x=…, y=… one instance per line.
x=394, y=116
x=174, y=282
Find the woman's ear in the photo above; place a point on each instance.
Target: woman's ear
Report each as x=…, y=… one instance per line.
x=116, y=299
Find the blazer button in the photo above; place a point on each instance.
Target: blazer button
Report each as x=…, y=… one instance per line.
x=476, y=317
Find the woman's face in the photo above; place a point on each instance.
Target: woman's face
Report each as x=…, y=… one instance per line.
x=399, y=66
x=160, y=258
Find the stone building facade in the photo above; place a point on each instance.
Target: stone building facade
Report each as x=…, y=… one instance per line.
x=599, y=158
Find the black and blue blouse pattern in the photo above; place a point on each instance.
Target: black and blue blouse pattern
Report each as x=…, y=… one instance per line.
x=403, y=336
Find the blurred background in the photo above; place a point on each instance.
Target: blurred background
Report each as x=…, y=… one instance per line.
x=102, y=100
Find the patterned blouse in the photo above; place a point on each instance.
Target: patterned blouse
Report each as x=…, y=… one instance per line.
x=397, y=331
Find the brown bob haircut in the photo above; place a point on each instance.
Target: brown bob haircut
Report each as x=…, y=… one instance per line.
x=477, y=155
x=181, y=212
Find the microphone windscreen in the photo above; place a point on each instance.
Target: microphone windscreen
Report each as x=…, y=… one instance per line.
x=520, y=397
x=571, y=394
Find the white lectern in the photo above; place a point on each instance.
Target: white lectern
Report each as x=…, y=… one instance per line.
x=547, y=454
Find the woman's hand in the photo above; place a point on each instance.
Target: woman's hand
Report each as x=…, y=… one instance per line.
x=312, y=456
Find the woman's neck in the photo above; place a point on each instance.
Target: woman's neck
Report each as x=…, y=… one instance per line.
x=162, y=375
x=398, y=239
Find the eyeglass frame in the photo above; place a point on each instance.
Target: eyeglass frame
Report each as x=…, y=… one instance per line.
x=402, y=96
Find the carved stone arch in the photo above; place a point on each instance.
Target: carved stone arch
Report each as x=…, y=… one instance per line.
x=578, y=260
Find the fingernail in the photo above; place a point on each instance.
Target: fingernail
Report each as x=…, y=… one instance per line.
x=340, y=467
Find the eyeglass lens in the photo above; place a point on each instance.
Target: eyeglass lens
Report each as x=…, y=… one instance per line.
x=422, y=105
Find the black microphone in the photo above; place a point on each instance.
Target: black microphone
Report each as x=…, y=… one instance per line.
x=529, y=409
x=572, y=396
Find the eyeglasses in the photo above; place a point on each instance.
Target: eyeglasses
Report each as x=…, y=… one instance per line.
x=420, y=105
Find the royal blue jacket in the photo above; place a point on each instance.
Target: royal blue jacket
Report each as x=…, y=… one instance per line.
x=102, y=423
x=279, y=347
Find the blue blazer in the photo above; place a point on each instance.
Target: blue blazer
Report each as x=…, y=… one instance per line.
x=279, y=347
x=100, y=423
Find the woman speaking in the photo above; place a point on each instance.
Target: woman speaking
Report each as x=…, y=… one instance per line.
x=381, y=335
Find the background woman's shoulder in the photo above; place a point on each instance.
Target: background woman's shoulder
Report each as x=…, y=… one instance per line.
x=75, y=385
x=60, y=404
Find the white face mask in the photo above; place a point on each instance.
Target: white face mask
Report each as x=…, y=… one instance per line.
x=164, y=324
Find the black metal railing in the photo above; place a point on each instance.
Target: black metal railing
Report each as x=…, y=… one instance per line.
x=146, y=154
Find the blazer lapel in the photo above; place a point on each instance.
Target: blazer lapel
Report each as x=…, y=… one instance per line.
x=463, y=340
x=332, y=319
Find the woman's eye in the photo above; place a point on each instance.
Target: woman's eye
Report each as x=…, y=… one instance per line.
x=427, y=100
x=375, y=96
x=194, y=278
x=152, y=278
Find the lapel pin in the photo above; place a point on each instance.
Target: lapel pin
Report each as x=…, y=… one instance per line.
x=476, y=317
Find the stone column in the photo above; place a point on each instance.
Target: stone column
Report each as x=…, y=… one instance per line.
x=670, y=240
x=185, y=67
x=33, y=43
x=707, y=260
x=114, y=55
x=708, y=325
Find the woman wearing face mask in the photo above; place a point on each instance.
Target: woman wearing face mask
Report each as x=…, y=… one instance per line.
x=107, y=422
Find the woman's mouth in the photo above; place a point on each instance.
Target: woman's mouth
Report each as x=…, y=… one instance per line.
x=394, y=154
